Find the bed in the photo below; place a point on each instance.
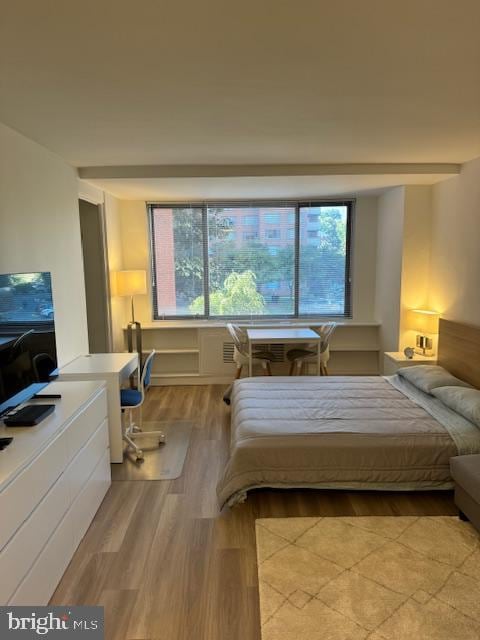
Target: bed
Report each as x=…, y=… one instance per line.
x=366, y=432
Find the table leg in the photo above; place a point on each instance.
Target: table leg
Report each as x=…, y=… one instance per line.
x=318, y=357
x=250, y=364
x=115, y=426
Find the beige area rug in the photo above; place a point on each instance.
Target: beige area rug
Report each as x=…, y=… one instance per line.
x=375, y=578
x=164, y=462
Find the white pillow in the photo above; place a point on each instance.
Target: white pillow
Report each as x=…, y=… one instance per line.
x=427, y=377
x=466, y=402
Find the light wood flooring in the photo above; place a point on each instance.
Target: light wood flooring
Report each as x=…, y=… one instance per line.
x=163, y=561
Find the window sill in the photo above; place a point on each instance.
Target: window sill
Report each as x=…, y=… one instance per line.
x=220, y=324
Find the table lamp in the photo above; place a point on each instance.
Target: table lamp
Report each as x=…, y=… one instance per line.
x=132, y=283
x=425, y=322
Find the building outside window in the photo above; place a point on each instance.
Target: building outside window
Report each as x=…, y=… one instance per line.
x=272, y=234
x=271, y=218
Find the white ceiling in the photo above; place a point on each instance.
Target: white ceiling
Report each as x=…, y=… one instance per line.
x=190, y=189
x=117, y=82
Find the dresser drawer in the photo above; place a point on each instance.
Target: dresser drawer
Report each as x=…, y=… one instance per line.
x=22, y=495
x=82, y=466
x=87, y=502
x=41, y=581
x=84, y=425
x=39, y=584
x=19, y=554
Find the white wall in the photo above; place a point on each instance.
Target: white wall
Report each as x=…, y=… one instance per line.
x=455, y=246
x=40, y=231
x=403, y=262
x=391, y=209
x=136, y=250
x=115, y=263
x=417, y=230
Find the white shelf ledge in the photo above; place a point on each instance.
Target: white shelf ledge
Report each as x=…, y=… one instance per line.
x=175, y=351
x=173, y=374
x=218, y=324
x=353, y=347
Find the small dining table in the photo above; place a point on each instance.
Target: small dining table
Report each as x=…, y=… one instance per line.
x=282, y=336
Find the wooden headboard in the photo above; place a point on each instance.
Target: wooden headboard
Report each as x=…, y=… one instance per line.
x=459, y=350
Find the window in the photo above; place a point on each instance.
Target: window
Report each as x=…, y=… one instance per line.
x=26, y=301
x=323, y=281
x=206, y=264
x=271, y=218
x=272, y=234
x=178, y=239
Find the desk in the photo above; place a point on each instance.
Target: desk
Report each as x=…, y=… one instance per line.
x=115, y=369
x=282, y=336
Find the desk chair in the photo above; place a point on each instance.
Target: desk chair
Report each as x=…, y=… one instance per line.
x=131, y=399
x=17, y=363
x=43, y=365
x=299, y=357
x=241, y=353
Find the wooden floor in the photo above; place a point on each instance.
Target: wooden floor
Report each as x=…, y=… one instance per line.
x=163, y=561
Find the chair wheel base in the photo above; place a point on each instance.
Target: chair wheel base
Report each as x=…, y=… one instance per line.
x=139, y=455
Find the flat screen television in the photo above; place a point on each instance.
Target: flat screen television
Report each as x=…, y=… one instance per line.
x=28, y=354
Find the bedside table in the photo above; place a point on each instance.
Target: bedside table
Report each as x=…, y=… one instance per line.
x=393, y=360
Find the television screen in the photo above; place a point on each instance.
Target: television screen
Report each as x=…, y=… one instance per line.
x=27, y=332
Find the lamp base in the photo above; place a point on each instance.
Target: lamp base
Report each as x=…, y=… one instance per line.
x=424, y=343
x=134, y=339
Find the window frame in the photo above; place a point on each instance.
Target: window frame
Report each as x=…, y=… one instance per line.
x=297, y=205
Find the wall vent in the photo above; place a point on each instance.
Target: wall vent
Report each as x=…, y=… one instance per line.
x=228, y=352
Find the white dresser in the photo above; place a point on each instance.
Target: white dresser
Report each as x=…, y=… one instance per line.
x=53, y=478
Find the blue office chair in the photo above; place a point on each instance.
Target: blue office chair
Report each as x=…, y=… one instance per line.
x=131, y=399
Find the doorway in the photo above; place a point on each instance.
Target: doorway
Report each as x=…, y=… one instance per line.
x=97, y=290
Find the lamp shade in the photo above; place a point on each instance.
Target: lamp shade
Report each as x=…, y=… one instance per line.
x=131, y=283
x=424, y=320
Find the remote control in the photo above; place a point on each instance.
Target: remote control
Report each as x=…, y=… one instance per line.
x=51, y=396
